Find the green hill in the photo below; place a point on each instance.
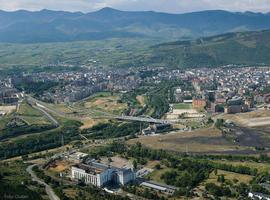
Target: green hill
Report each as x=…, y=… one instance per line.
x=247, y=48
x=243, y=48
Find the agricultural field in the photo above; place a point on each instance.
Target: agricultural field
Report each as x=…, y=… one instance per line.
x=208, y=140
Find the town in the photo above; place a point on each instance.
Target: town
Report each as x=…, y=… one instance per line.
x=227, y=89
x=195, y=100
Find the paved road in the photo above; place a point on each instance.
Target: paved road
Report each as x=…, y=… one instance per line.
x=49, y=190
x=50, y=117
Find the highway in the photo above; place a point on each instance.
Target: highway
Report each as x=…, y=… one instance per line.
x=51, y=118
x=142, y=119
x=48, y=189
x=43, y=106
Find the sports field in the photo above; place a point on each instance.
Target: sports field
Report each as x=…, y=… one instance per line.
x=182, y=106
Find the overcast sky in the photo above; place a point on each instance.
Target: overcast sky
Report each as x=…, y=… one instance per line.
x=172, y=6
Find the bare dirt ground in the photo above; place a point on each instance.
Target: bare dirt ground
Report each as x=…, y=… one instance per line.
x=60, y=166
x=141, y=100
x=89, y=122
x=250, y=119
x=208, y=140
x=7, y=109
x=117, y=162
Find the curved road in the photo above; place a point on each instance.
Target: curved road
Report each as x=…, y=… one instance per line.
x=48, y=188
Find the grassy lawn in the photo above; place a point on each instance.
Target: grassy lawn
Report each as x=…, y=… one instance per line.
x=156, y=175
x=31, y=115
x=182, y=106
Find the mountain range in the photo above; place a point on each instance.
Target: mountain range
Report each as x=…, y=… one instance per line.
x=58, y=26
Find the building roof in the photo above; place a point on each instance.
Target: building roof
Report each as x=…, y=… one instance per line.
x=78, y=155
x=92, y=168
x=158, y=186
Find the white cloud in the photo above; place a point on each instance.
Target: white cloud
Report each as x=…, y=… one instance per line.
x=175, y=6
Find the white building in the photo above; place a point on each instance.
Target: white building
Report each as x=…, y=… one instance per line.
x=99, y=174
x=77, y=156
x=260, y=196
x=124, y=176
x=95, y=174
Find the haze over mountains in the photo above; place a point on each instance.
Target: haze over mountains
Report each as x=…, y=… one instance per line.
x=59, y=26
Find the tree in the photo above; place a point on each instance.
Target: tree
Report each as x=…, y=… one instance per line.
x=221, y=178
x=158, y=167
x=135, y=164
x=219, y=123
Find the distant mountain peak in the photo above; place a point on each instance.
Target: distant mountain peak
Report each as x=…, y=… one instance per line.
x=108, y=9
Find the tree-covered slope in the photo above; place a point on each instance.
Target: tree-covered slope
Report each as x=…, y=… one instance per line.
x=248, y=48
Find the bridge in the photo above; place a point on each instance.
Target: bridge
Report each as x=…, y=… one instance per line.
x=142, y=119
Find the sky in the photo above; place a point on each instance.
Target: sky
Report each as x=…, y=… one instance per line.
x=170, y=6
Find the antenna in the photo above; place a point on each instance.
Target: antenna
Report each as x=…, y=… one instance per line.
x=186, y=149
x=62, y=140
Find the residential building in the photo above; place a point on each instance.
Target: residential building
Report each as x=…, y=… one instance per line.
x=198, y=103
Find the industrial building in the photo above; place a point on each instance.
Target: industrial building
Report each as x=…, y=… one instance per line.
x=167, y=189
x=99, y=175
x=236, y=105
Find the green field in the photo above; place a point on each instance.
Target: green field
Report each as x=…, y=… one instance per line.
x=111, y=52
x=182, y=106
x=31, y=115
